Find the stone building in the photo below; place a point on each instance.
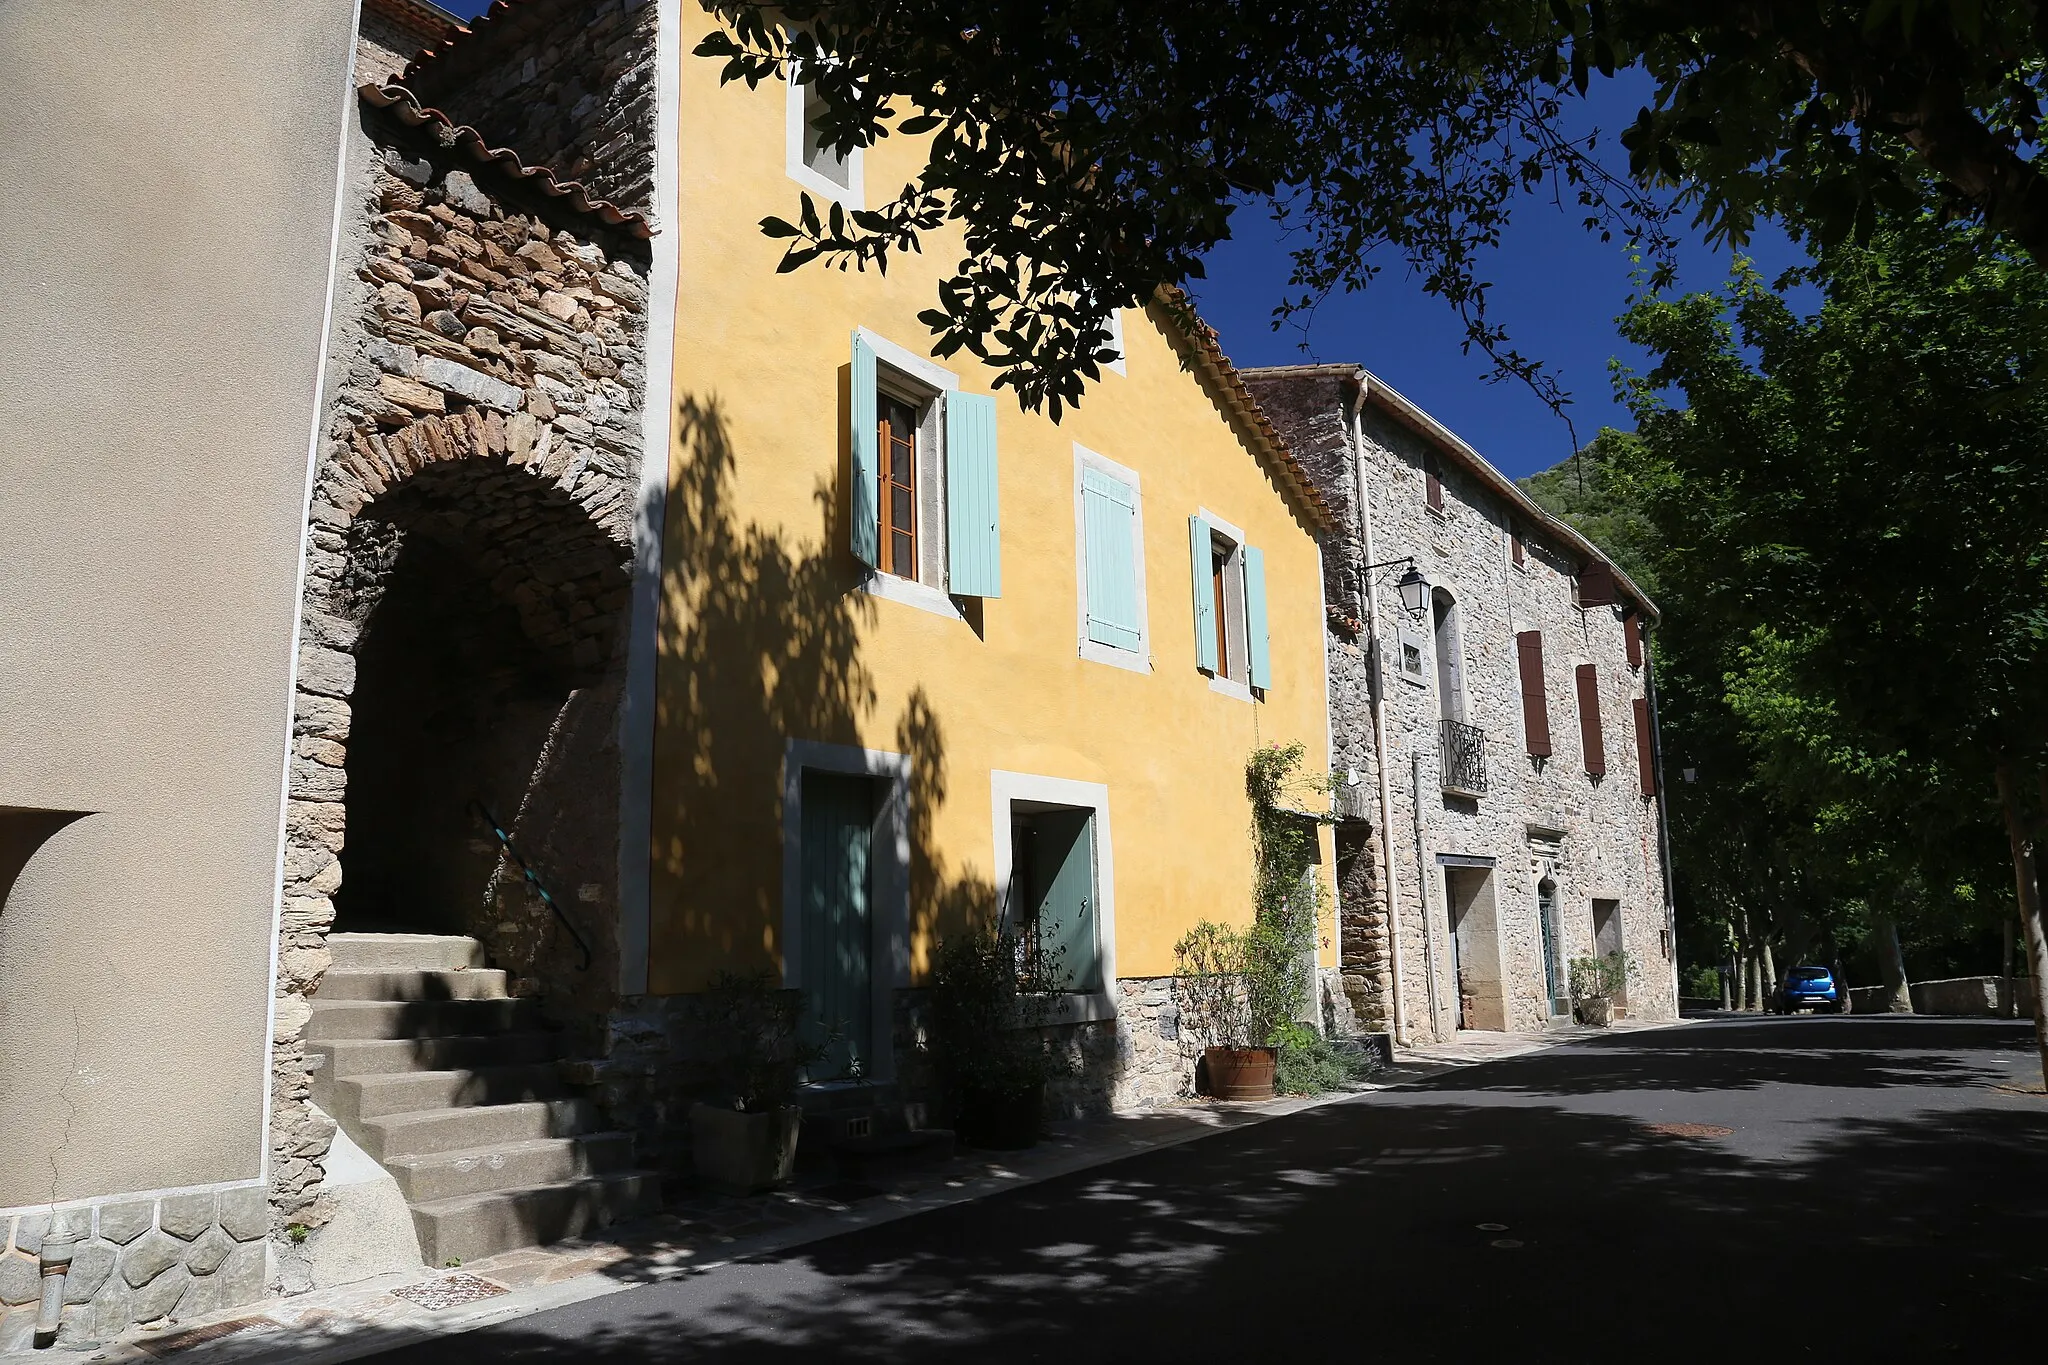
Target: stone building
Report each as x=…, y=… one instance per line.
x=1496, y=749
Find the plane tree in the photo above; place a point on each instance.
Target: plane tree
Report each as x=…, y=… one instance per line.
x=1091, y=151
x=1859, y=505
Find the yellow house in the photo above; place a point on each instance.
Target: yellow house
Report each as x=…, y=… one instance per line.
x=925, y=657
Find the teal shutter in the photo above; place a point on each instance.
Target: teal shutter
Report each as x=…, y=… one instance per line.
x=866, y=517
x=974, y=559
x=1202, y=567
x=1062, y=878
x=1255, y=616
x=1109, y=525
x=834, y=963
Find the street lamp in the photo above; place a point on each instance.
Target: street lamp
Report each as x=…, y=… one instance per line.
x=1412, y=586
x=1414, y=590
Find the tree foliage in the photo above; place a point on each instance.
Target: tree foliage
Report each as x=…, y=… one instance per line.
x=1091, y=152
x=1849, y=517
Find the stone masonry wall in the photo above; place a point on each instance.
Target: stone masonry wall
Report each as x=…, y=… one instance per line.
x=135, y=1260
x=1604, y=827
x=568, y=84
x=485, y=382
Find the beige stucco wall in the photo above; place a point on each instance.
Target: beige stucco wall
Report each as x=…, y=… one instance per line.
x=167, y=175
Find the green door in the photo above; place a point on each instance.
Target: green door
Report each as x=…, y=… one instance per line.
x=836, y=958
x=1059, y=858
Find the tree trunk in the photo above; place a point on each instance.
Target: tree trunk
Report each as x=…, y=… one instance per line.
x=2007, y=1006
x=1770, y=972
x=1892, y=959
x=1742, y=981
x=1727, y=985
x=2026, y=881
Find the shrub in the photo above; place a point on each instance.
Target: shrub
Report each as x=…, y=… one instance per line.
x=1311, y=1064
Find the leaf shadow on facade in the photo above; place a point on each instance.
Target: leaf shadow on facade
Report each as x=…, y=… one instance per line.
x=1376, y=1227
x=761, y=643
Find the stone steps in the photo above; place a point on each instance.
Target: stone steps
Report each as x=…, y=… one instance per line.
x=510, y=1165
x=472, y=983
x=455, y=1089
x=348, y=1057
x=359, y=1098
x=404, y=952
x=425, y=1132
x=470, y=1227
x=334, y=1020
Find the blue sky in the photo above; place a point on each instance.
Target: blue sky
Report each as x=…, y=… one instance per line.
x=1557, y=288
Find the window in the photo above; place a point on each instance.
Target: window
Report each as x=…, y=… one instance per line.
x=1591, y=739
x=1116, y=340
x=1535, y=702
x=923, y=509
x=1055, y=874
x=1109, y=543
x=1594, y=587
x=1646, y=749
x=1231, y=643
x=897, y=478
x=1432, y=482
x=1632, y=638
x=1516, y=549
x=814, y=164
x=1410, y=656
x=1450, y=659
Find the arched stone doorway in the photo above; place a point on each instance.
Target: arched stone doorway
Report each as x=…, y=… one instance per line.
x=490, y=609
x=463, y=644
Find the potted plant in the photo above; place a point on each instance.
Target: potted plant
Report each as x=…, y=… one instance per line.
x=1242, y=990
x=987, y=1010
x=1595, y=981
x=746, y=1139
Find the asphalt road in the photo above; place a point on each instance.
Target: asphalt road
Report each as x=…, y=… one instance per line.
x=1878, y=1195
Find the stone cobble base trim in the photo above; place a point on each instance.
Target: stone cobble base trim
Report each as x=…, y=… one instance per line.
x=136, y=1259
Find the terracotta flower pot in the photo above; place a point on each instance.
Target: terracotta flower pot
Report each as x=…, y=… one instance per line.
x=1241, y=1073
x=1597, y=1011
x=741, y=1153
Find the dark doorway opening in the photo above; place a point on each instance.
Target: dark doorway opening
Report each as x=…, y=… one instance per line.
x=453, y=703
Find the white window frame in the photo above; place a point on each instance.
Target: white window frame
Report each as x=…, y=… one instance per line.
x=888, y=879
x=1138, y=660
x=1116, y=341
x=1233, y=613
x=1008, y=788
x=853, y=194
x=914, y=374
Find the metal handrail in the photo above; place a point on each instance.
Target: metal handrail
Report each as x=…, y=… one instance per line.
x=532, y=880
x=1464, y=757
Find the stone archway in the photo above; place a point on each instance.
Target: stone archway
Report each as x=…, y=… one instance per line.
x=463, y=637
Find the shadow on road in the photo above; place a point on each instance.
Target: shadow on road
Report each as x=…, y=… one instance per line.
x=1526, y=1206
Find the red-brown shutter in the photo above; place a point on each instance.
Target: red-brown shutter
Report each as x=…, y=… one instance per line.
x=1515, y=543
x=1596, y=585
x=1646, y=755
x=1432, y=483
x=1632, y=633
x=1590, y=738
x=1535, y=705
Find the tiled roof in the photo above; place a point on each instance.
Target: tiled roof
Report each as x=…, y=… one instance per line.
x=1404, y=410
x=405, y=106
x=1265, y=437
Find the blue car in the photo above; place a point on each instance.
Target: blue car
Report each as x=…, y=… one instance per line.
x=1808, y=988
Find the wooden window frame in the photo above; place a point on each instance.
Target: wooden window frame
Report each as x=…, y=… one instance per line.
x=886, y=402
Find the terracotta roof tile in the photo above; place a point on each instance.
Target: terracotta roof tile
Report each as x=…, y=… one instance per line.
x=1266, y=437
x=405, y=106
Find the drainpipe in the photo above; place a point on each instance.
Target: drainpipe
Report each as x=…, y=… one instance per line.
x=50, y=1313
x=1374, y=680
x=1422, y=890
x=1663, y=811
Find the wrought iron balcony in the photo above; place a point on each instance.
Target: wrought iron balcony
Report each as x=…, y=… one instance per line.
x=1463, y=749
